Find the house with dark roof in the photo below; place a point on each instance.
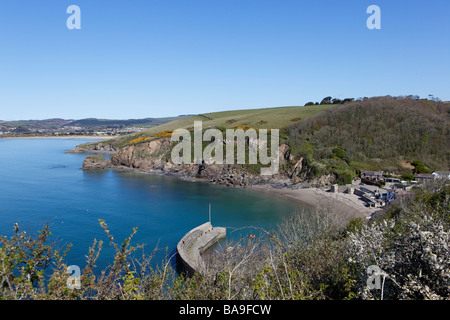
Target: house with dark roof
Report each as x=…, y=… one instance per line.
x=421, y=177
x=372, y=175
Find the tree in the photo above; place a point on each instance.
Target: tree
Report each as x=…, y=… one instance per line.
x=433, y=98
x=348, y=100
x=419, y=167
x=338, y=152
x=326, y=100
x=336, y=101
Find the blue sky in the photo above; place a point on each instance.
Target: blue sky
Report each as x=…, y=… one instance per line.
x=155, y=58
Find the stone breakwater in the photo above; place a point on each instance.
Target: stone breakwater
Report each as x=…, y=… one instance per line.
x=193, y=244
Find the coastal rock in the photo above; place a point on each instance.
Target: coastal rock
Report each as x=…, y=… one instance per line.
x=296, y=169
x=95, y=162
x=155, y=155
x=284, y=154
x=104, y=147
x=325, y=180
x=231, y=175
x=149, y=155
x=93, y=148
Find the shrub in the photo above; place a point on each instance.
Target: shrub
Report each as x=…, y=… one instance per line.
x=408, y=177
x=343, y=178
x=419, y=167
x=410, y=247
x=163, y=134
x=338, y=152
x=139, y=139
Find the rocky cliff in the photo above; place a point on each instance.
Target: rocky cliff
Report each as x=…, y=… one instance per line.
x=100, y=147
x=155, y=156
x=151, y=156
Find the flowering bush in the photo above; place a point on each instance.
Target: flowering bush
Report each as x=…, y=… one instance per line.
x=242, y=127
x=163, y=134
x=139, y=139
x=411, y=249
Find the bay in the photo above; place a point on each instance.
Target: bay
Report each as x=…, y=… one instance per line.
x=41, y=184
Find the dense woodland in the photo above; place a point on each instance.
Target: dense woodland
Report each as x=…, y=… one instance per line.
x=378, y=133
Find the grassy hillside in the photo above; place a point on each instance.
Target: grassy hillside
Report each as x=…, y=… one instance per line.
x=397, y=135
x=381, y=133
x=267, y=118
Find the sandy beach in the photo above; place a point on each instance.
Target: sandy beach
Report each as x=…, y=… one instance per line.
x=350, y=203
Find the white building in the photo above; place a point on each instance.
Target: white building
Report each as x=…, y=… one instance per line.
x=442, y=174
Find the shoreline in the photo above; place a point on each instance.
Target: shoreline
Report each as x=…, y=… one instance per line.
x=308, y=196
x=312, y=197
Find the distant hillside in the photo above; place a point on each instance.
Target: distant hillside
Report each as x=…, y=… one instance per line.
x=62, y=127
x=54, y=123
x=267, y=118
x=378, y=133
x=88, y=122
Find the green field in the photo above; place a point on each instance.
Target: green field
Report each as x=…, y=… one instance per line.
x=266, y=118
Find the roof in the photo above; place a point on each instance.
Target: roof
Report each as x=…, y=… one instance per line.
x=371, y=172
x=424, y=175
x=442, y=173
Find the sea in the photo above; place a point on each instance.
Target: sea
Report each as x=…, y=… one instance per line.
x=40, y=184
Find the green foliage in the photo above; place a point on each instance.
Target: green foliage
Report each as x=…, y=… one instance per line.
x=344, y=178
x=326, y=100
x=375, y=133
x=278, y=283
x=419, y=167
x=24, y=260
x=354, y=225
x=408, y=177
x=97, y=157
x=435, y=201
x=338, y=152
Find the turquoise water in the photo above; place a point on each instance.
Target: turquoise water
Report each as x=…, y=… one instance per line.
x=39, y=183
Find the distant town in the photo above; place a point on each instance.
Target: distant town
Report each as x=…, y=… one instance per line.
x=88, y=127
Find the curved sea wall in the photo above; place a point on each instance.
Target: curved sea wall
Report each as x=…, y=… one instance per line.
x=193, y=244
